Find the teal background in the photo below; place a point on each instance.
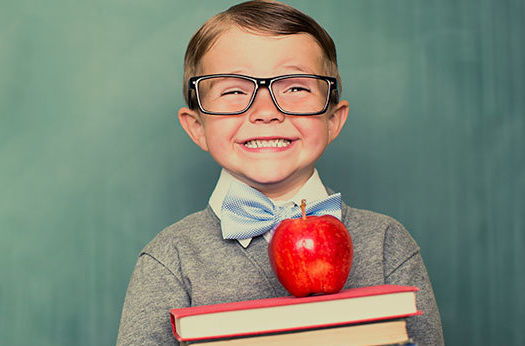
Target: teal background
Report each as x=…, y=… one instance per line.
x=93, y=162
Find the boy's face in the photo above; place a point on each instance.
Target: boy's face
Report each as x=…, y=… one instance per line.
x=278, y=172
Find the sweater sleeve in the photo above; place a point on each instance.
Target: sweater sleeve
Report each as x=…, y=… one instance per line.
x=404, y=266
x=152, y=291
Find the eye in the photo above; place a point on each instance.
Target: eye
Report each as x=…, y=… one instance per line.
x=298, y=88
x=233, y=92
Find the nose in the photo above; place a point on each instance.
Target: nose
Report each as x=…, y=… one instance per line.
x=263, y=109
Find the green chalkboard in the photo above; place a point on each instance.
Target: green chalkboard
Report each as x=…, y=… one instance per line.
x=93, y=162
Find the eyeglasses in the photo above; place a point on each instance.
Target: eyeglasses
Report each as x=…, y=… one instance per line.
x=233, y=94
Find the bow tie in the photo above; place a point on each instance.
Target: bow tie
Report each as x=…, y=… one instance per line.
x=247, y=213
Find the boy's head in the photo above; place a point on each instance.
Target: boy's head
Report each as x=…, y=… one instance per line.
x=263, y=98
x=262, y=17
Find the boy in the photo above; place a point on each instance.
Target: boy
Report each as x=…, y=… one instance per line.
x=262, y=99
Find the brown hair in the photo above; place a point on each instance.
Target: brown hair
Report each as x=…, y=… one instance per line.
x=260, y=16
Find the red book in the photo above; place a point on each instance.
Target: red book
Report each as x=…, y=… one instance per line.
x=253, y=317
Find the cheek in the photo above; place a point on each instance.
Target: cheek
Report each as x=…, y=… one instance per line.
x=314, y=131
x=220, y=133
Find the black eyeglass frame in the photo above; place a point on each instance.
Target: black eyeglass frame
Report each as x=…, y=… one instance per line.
x=261, y=82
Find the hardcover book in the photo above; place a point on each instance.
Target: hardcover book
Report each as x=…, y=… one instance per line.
x=272, y=315
x=375, y=333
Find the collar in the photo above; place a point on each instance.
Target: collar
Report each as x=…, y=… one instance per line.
x=313, y=189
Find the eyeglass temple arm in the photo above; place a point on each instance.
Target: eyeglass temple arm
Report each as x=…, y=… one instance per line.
x=191, y=86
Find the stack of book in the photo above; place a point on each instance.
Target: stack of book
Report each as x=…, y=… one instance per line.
x=358, y=316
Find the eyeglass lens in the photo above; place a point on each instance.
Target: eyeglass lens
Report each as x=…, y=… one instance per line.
x=300, y=95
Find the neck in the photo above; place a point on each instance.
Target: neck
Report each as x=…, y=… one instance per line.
x=282, y=190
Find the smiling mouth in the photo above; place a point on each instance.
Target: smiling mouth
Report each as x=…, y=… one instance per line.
x=275, y=143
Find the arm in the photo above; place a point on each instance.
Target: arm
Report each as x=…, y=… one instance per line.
x=153, y=290
x=404, y=266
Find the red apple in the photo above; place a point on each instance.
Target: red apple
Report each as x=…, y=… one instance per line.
x=311, y=255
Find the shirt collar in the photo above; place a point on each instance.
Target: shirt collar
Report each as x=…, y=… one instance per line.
x=312, y=190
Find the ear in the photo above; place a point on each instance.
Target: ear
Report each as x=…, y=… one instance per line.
x=193, y=124
x=337, y=119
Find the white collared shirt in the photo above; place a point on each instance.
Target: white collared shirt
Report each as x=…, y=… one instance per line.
x=312, y=190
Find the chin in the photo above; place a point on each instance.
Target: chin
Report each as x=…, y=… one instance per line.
x=273, y=179
x=266, y=180
x=260, y=180
x=268, y=174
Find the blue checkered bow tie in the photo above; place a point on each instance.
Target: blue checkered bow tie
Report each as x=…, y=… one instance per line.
x=247, y=213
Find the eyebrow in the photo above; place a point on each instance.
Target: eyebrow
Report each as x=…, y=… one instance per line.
x=299, y=67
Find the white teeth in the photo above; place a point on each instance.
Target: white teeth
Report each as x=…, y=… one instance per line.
x=276, y=143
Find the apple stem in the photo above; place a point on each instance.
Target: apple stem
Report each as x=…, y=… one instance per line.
x=303, y=208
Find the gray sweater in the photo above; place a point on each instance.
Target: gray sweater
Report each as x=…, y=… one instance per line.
x=190, y=264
